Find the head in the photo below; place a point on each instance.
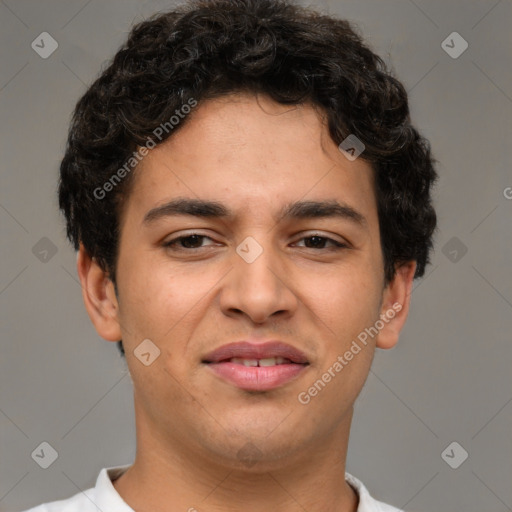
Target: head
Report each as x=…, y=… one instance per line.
x=243, y=104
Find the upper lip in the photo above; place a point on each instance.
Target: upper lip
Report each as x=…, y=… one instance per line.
x=260, y=350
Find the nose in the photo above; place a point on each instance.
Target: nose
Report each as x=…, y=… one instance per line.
x=259, y=289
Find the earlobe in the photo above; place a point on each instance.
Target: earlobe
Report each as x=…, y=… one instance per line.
x=99, y=297
x=395, y=305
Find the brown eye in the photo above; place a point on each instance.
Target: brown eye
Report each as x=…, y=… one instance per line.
x=192, y=241
x=318, y=242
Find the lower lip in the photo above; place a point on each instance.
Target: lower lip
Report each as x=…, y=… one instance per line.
x=257, y=378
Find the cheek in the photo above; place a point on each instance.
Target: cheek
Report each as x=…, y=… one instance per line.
x=346, y=303
x=162, y=301
x=345, y=307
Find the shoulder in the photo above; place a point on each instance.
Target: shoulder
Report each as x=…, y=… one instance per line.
x=366, y=502
x=384, y=507
x=80, y=502
x=101, y=497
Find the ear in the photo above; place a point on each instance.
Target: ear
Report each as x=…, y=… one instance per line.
x=395, y=305
x=99, y=297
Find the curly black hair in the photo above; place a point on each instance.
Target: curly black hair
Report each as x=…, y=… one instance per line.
x=209, y=48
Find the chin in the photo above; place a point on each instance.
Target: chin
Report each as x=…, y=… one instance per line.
x=254, y=451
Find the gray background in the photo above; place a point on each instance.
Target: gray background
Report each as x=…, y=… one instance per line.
x=447, y=380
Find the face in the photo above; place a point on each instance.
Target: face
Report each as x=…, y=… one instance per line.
x=262, y=271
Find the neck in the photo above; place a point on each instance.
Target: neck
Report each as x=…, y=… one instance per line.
x=169, y=477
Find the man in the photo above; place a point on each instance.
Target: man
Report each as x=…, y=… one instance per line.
x=251, y=205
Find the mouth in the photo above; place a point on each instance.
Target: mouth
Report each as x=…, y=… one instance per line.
x=257, y=366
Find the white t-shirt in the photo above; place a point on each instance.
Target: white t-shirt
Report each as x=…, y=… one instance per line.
x=104, y=497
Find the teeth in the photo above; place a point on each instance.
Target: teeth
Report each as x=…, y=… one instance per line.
x=269, y=361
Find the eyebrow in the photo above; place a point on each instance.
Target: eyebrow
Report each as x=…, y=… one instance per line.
x=214, y=209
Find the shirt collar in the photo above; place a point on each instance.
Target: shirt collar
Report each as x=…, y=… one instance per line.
x=107, y=498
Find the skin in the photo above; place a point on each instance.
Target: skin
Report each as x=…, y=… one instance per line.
x=255, y=156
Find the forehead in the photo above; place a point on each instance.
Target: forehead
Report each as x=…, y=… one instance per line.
x=256, y=157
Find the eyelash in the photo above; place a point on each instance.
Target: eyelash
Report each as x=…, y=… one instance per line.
x=171, y=243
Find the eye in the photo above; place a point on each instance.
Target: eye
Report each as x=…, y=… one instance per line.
x=192, y=241
x=317, y=241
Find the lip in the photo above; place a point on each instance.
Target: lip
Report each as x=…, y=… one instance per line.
x=261, y=350
x=256, y=378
